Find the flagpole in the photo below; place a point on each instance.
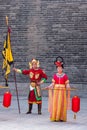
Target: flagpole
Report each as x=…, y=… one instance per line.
x=14, y=77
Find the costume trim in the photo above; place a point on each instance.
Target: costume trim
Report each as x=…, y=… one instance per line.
x=37, y=97
x=44, y=80
x=60, y=85
x=37, y=102
x=18, y=70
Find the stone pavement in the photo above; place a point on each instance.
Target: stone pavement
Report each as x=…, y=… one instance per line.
x=11, y=119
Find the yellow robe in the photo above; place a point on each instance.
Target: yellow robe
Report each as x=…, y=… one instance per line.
x=59, y=102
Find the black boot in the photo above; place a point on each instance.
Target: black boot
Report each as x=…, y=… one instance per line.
x=39, y=109
x=30, y=108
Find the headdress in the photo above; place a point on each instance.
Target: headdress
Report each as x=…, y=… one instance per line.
x=34, y=61
x=59, y=62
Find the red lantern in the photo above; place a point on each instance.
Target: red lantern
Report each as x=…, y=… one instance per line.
x=75, y=105
x=7, y=99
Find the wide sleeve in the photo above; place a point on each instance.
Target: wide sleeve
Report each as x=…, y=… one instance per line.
x=53, y=79
x=68, y=92
x=66, y=79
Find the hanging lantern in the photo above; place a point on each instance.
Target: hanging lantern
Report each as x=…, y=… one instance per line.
x=7, y=99
x=75, y=105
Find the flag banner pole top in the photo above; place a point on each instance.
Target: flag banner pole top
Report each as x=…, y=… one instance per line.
x=7, y=20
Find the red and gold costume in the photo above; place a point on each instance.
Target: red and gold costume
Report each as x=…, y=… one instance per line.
x=35, y=77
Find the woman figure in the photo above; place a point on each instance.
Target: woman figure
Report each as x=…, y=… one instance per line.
x=37, y=76
x=58, y=96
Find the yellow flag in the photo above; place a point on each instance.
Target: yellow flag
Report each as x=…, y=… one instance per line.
x=7, y=55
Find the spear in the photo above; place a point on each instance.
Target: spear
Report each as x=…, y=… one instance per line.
x=14, y=76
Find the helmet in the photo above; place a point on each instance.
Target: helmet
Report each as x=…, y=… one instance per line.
x=34, y=61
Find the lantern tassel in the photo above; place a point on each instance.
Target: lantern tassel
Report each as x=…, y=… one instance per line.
x=74, y=115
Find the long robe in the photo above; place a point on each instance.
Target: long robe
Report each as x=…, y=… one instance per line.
x=58, y=96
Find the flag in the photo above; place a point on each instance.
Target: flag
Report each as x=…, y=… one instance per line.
x=7, y=56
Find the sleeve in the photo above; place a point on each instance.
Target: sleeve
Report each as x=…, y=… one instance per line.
x=66, y=79
x=18, y=71
x=44, y=76
x=53, y=79
x=25, y=72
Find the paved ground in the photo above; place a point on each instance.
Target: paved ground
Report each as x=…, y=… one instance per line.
x=10, y=119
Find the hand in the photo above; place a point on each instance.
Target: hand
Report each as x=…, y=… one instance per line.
x=14, y=69
x=38, y=83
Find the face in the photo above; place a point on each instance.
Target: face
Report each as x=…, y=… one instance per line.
x=60, y=70
x=34, y=65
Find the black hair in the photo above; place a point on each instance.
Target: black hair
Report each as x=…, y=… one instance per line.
x=59, y=58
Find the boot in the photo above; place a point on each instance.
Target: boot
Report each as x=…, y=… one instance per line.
x=30, y=108
x=39, y=109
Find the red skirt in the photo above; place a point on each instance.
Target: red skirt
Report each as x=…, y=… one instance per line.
x=32, y=98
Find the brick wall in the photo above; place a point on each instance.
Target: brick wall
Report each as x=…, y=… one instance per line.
x=45, y=29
